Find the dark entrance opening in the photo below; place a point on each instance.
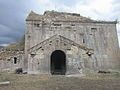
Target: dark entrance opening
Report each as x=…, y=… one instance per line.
x=58, y=63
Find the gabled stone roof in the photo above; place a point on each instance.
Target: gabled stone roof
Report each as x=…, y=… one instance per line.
x=57, y=16
x=58, y=37
x=62, y=16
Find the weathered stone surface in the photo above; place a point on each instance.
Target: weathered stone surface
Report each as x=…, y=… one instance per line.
x=8, y=63
x=86, y=43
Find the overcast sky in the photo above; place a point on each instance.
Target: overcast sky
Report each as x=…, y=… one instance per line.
x=14, y=12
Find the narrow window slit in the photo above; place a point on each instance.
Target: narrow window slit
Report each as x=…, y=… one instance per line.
x=15, y=60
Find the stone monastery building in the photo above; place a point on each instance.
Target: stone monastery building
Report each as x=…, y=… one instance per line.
x=67, y=43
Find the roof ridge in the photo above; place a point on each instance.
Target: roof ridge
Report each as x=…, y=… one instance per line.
x=64, y=13
x=63, y=16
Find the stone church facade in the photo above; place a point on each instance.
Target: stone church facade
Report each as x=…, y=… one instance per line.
x=67, y=43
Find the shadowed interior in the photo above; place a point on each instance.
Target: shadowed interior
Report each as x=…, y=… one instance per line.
x=58, y=63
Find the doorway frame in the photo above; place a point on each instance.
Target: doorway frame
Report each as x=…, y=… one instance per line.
x=65, y=64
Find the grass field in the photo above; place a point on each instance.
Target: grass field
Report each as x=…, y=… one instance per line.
x=45, y=82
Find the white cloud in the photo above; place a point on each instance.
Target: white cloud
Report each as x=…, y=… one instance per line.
x=43, y=1
x=42, y=5
x=97, y=9
x=4, y=45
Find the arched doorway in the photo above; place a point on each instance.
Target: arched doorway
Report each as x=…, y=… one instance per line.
x=58, y=63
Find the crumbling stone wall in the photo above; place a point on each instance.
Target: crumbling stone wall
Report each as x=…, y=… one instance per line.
x=12, y=62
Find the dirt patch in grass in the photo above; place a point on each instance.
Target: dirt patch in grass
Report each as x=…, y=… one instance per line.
x=45, y=82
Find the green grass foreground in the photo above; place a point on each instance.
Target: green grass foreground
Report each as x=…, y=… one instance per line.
x=45, y=82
